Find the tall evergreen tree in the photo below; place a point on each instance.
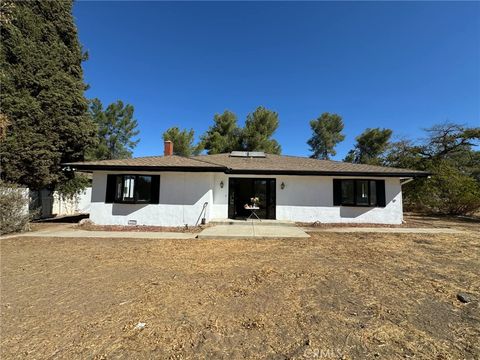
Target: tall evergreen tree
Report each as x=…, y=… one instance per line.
x=258, y=131
x=42, y=93
x=371, y=144
x=116, y=129
x=182, y=141
x=223, y=136
x=327, y=133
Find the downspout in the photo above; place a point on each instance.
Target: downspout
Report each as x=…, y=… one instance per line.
x=406, y=181
x=410, y=179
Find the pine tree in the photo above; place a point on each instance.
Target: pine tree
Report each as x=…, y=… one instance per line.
x=116, y=130
x=259, y=128
x=327, y=133
x=182, y=141
x=223, y=136
x=42, y=93
x=371, y=144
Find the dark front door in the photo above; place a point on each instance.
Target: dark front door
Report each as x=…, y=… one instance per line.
x=241, y=190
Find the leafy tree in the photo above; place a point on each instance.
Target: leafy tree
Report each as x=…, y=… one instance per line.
x=223, y=136
x=42, y=93
x=259, y=128
x=182, y=141
x=404, y=154
x=447, y=142
x=3, y=126
x=448, y=191
x=116, y=130
x=448, y=139
x=448, y=154
x=371, y=144
x=327, y=133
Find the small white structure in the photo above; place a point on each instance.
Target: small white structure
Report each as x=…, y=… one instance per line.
x=172, y=190
x=78, y=204
x=46, y=203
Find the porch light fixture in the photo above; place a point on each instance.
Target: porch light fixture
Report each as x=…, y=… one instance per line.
x=282, y=185
x=221, y=184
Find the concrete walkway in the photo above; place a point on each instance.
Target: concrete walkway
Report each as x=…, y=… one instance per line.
x=236, y=231
x=68, y=232
x=242, y=230
x=249, y=222
x=252, y=230
x=389, y=230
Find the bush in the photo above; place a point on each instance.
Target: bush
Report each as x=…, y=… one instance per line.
x=14, y=215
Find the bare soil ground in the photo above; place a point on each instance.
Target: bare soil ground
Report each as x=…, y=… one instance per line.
x=72, y=221
x=333, y=296
x=140, y=228
x=458, y=222
x=412, y=220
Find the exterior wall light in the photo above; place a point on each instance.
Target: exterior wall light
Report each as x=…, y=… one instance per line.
x=282, y=185
x=221, y=184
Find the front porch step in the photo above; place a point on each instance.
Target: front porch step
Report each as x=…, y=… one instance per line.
x=249, y=222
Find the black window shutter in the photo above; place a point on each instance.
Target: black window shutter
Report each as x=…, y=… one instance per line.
x=381, y=201
x=110, y=193
x=337, y=192
x=155, y=198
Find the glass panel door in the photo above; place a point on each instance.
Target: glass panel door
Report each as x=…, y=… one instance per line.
x=260, y=190
x=242, y=190
x=271, y=198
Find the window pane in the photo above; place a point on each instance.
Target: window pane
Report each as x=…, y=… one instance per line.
x=373, y=193
x=128, y=186
x=362, y=192
x=144, y=188
x=347, y=192
x=118, y=188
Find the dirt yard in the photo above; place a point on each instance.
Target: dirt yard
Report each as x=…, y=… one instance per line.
x=333, y=296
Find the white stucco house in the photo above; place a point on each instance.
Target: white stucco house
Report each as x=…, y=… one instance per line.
x=172, y=190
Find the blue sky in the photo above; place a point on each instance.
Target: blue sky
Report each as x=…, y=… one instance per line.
x=404, y=66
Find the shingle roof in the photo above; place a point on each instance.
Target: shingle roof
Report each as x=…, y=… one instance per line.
x=173, y=162
x=270, y=164
x=278, y=164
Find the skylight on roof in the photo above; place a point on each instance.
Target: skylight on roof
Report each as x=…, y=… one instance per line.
x=248, y=154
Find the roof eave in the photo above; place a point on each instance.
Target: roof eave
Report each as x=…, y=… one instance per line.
x=87, y=167
x=96, y=167
x=328, y=173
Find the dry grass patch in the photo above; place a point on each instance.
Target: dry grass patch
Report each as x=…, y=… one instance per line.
x=334, y=295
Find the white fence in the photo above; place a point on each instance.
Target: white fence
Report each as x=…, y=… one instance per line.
x=79, y=204
x=50, y=203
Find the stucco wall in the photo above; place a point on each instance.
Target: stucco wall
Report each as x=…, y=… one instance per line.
x=310, y=198
x=182, y=196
